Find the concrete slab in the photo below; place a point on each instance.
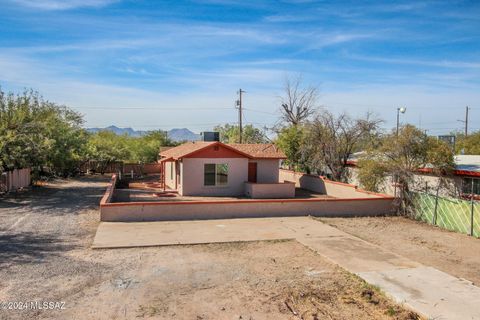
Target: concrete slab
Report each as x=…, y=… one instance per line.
x=144, y=234
x=434, y=294
x=428, y=291
x=356, y=255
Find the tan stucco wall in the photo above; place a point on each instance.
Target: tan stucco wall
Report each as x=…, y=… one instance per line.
x=244, y=209
x=301, y=180
x=317, y=184
x=168, y=180
x=180, y=180
x=270, y=190
x=192, y=184
x=267, y=170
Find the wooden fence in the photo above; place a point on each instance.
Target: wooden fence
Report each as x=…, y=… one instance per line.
x=15, y=180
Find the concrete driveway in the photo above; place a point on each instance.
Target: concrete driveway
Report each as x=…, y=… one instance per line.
x=428, y=291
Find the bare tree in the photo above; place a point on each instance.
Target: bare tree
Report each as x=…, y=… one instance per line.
x=299, y=102
x=330, y=140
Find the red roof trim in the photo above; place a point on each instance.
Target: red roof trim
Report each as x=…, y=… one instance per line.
x=217, y=143
x=467, y=173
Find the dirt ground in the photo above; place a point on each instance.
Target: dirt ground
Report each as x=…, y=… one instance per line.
x=454, y=253
x=45, y=255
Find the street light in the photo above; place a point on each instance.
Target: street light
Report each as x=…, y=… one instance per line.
x=400, y=110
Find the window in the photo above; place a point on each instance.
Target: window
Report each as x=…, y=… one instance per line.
x=209, y=174
x=215, y=174
x=467, y=186
x=222, y=174
x=171, y=170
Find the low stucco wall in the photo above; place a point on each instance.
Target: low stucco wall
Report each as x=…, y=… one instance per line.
x=324, y=186
x=363, y=204
x=134, y=212
x=270, y=190
x=107, y=197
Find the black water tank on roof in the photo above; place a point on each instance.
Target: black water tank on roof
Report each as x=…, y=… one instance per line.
x=210, y=136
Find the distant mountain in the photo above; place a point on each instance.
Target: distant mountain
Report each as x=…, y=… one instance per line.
x=182, y=134
x=119, y=131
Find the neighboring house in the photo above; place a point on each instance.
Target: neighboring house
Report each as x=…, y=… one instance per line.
x=213, y=168
x=464, y=179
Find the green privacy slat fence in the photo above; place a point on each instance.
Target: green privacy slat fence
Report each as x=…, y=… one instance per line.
x=452, y=214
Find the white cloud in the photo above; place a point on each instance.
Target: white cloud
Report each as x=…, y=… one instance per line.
x=430, y=63
x=63, y=4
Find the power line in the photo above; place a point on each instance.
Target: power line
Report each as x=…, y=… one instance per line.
x=260, y=111
x=150, y=108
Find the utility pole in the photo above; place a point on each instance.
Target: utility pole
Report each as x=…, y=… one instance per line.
x=465, y=121
x=400, y=110
x=239, y=104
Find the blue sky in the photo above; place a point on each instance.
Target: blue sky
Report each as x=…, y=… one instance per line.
x=165, y=64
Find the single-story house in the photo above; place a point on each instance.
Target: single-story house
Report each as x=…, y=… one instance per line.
x=213, y=168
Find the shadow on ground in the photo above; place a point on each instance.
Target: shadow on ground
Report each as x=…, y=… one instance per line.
x=58, y=199
x=27, y=247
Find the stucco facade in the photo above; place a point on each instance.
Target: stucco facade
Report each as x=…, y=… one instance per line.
x=267, y=170
x=193, y=179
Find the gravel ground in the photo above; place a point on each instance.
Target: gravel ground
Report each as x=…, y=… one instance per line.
x=45, y=255
x=451, y=252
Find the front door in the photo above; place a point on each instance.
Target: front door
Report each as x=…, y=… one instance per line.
x=252, y=172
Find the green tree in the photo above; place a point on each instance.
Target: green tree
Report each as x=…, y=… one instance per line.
x=146, y=148
x=402, y=156
x=39, y=134
x=371, y=174
x=290, y=140
x=231, y=134
x=469, y=144
x=297, y=105
x=106, y=147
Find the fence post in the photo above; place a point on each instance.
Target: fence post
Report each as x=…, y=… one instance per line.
x=434, y=218
x=471, y=210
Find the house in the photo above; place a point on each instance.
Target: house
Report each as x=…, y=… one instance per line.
x=464, y=180
x=213, y=168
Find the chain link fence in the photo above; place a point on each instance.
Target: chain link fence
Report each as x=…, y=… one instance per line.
x=449, y=213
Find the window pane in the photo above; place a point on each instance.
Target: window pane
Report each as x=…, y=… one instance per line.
x=222, y=174
x=209, y=174
x=467, y=186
